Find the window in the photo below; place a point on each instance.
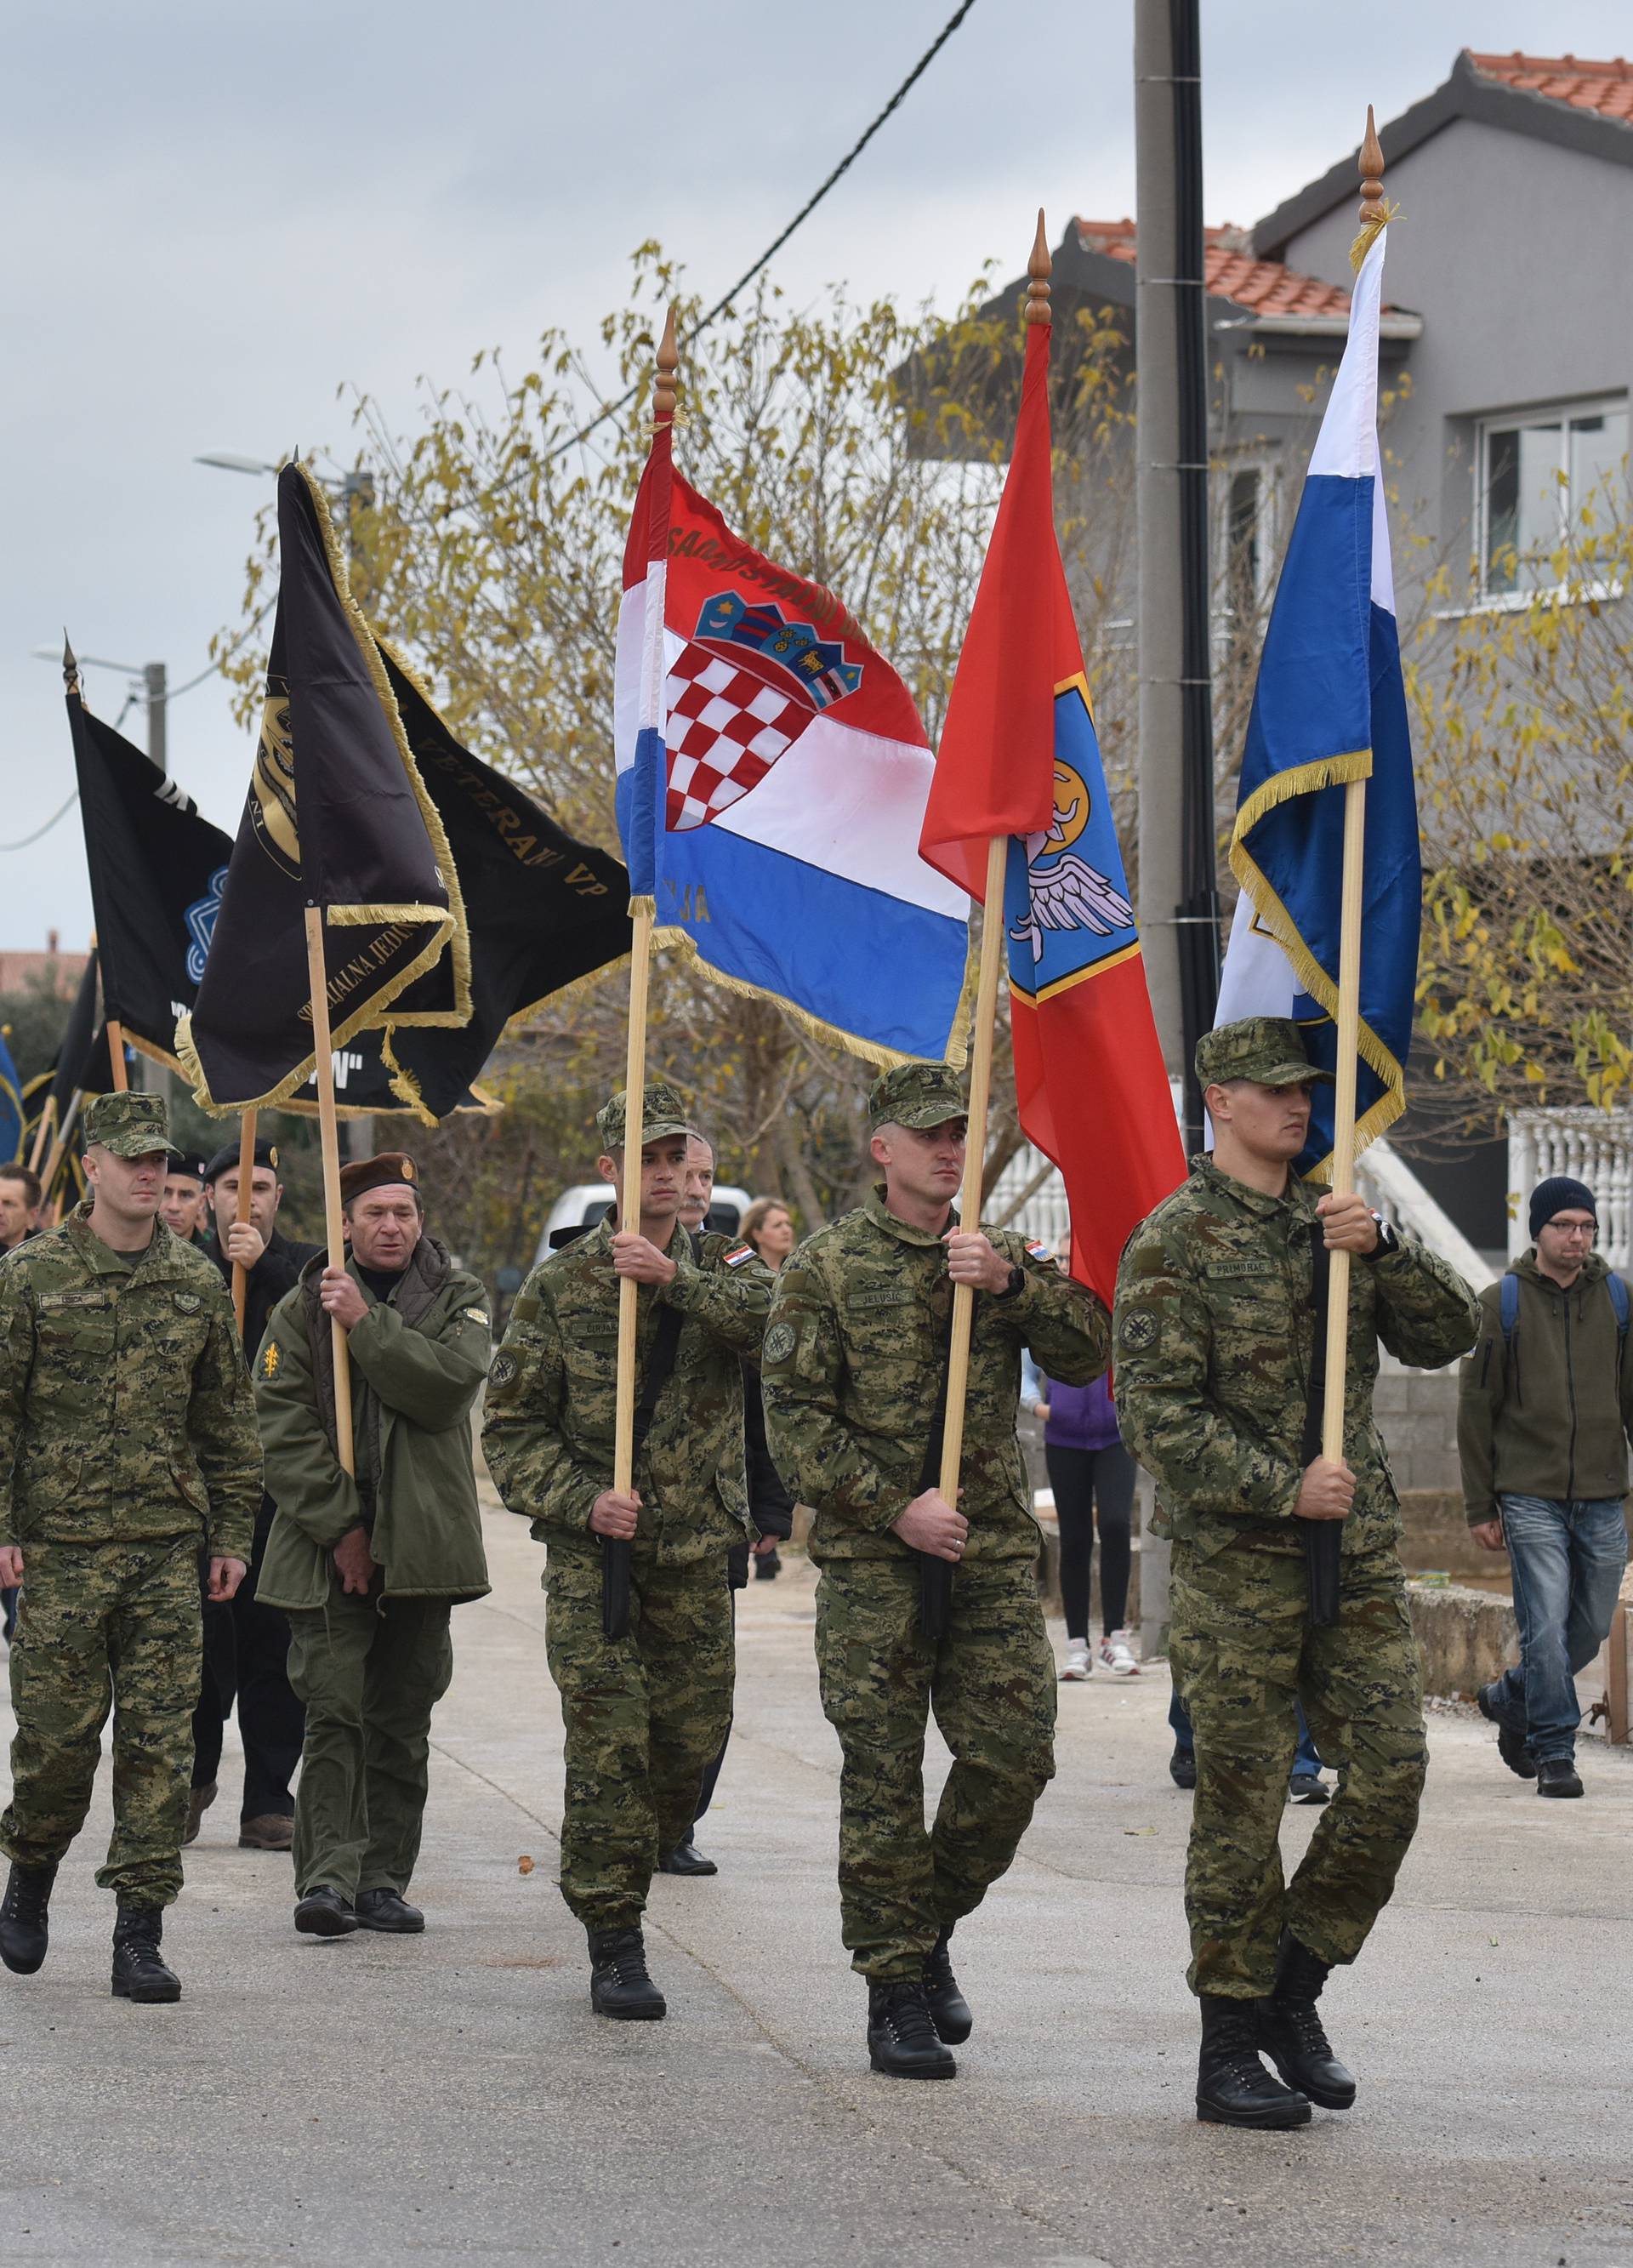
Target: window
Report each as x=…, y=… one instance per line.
x=1535, y=478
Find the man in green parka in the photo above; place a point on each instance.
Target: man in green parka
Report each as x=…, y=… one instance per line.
x=368, y=1568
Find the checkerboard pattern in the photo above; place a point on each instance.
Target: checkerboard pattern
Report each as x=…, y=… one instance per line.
x=726, y=729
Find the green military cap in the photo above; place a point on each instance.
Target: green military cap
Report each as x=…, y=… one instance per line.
x=663, y=1111
x=917, y=1095
x=1267, y=1049
x=129, y=1125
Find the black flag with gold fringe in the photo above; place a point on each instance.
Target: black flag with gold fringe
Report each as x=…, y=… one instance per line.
x=544, y=909
x=337, y=817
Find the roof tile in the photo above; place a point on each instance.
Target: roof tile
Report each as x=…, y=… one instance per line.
x=1264, y=287
x=1604, y=86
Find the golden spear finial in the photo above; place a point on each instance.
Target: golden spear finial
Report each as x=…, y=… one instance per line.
x=70, y=671
x=665, y=391
x=1373, y=211
x=1039, y=267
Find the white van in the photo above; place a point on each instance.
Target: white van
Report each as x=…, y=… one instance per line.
x=587, y=1202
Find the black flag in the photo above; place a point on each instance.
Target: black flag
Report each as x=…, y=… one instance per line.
x=544, y=908
x=157, y=869
x=338, y=817
x=81, y=1058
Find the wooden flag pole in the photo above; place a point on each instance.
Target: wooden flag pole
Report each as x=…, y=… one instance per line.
x=116, y=1056
x=328, y=1127
x=992, y=956
x=246, y=1175
x=1349, y=1019
x=615, y=1553
x=42, y=1135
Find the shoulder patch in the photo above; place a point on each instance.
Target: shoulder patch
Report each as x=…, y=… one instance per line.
x=779, y=1343
x=478, y=1315
x=187, y=1301
x=271, y=1359
x=502, y=1371
x=1041, y=1252
x=738, y=1253
x=1139, y=1329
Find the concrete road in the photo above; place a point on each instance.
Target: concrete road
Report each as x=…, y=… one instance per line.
x=451, y=2098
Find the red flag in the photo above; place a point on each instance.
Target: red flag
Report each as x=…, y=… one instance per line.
x=1020, y=757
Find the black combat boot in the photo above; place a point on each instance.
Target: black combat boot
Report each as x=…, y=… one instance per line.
x=619, y=1983
x=1233, y=2088
x=949, y=2010
x=23, y=1935
x=901, y=2038
x=1291, y=2030
x=140, y=1970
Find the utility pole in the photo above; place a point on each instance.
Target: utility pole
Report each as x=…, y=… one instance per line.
x=154, y=678
x=1179, y=906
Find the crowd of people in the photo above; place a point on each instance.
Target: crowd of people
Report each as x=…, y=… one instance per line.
x=189, y=1528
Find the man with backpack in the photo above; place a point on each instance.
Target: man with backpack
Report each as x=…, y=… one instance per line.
x=1543, y=1421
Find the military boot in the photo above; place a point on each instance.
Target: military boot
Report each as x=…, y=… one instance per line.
x=140, y=1970
x=1233, y=2088
x=1291, y=2031
x=949, y=2010
x=619, y=1983
x=24, y=1934
x=901, y=2038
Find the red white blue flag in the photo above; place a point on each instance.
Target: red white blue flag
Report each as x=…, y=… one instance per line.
x=1020, y=757
x=772, y=778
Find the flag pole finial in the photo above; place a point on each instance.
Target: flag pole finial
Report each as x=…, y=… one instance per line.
x=1039, y=267
x=665, y=391
x=1373, y=213
x=70, y=671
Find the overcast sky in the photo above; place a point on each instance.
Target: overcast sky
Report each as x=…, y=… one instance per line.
x=217, y=216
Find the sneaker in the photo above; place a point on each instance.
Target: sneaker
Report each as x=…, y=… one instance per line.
x=1558, y=1776
x=1182, y=1766
x=1080, y=1662
x=1513, y=1747
x=1307, y=1787
x=1117, y=1654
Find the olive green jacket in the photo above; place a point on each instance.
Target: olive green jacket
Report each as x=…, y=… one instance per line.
x=853, y=1368
x=415, y=1378
x=1215, y=1341
x=552, y=1398
x=125, y=1411
x=1548, y=1414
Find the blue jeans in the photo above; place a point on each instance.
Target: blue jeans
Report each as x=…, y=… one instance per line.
x=1566, y=1561
x=1305, y=1760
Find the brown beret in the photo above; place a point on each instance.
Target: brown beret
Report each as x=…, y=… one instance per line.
x=392, y=1169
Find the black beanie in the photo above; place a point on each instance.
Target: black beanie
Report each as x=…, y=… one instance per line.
x=1559, y=1194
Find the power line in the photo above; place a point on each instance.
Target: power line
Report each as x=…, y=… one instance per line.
x=46, y=829
x=777, y=244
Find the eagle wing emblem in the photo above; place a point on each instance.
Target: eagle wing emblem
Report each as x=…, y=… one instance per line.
x=1068, y=893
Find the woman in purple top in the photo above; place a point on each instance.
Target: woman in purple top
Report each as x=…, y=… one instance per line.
x=1091, y=1473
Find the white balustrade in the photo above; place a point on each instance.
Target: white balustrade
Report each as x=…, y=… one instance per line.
x=1591, y=1146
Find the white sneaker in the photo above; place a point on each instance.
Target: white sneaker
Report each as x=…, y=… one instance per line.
x=1117, y=1654
x=1080, y=1662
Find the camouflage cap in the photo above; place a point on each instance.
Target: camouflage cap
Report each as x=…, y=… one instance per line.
x=917, y=1095
x=663, y=1111
x=129, y=1125
x=1267, y=1049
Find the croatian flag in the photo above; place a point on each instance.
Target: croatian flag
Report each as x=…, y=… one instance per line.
x=1329, y=708
x=1020, y=757
x=772, y=778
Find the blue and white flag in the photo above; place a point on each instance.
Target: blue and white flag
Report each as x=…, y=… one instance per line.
x=1329, y=708
x=11, y=1106
x=772, y=778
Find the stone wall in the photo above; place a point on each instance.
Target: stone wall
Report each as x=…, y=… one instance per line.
x=1417, y=1412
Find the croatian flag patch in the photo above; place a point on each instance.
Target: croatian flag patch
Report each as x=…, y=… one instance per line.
x=1040, y=1252
x=739, y=1254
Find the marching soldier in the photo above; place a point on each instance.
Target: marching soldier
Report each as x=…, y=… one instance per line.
x=1215, y=1342
x=645, y=1712
x=368, y=1567
x=853, y=1368
x=127, y=1442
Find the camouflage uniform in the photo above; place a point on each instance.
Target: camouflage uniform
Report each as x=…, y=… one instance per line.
x=1214, y=1343
x=127, y=1444
x=853, y=1369
x=645, y=1714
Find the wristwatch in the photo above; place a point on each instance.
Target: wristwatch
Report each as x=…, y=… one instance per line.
x=1389, y=1242
x=1016, y=1283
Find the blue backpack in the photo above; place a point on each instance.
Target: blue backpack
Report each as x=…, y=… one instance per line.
x=1616, y=1285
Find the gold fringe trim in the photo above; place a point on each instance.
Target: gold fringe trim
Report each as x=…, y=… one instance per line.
x=1278, y=924
x=456, y=933
x=1368, y=234
x=642, y=910
x=185, y=1064
x=1301, y=779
